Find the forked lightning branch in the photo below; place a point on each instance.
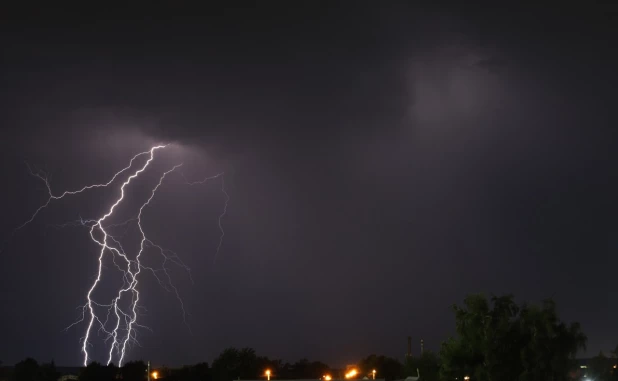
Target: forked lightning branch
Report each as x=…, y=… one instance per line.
x=117, y=319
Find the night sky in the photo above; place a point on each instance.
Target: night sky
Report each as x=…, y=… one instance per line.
x=383, y=161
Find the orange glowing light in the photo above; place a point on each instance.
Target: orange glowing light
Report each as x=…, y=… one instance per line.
x=327, y=377
x=155, y=375
x=351, y=373
x=268, y=374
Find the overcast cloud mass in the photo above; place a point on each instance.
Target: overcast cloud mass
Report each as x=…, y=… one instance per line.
x=382, y=162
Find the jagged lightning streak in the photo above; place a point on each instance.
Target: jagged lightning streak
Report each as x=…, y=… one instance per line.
x=68, y=193
x=141, y=250
x=227, y=200
x=104, y=247
x=130, y=268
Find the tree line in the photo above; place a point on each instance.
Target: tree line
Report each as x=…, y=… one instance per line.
x=495, y=339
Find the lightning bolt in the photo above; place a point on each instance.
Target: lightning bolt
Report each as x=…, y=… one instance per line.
x=67, y=193
x=227, y=199
x=222, y=215
x=124, y=319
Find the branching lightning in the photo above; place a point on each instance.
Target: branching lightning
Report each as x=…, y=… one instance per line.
x=223, y=213
x=117, y=319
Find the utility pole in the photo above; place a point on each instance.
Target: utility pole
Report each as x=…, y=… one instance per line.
x=148, y=371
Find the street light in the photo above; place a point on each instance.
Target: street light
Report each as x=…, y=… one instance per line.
x=467, y=378
x=351, y=374
x=373, y=373
x=155, y=374
x=327, y=377
x=268, y=374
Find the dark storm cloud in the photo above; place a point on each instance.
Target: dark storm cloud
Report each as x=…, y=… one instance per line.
x=191, y=72
x=383, y=163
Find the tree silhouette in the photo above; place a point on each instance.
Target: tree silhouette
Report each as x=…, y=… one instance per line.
x=134, y=371
x=49, y=372
x=499, y=340
x=98, y=372
x=234, y=364
x=386, y=367
x=27, y=370
x=600, y=368
x=304, y=368
x=427, y=364
x=197, y=372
